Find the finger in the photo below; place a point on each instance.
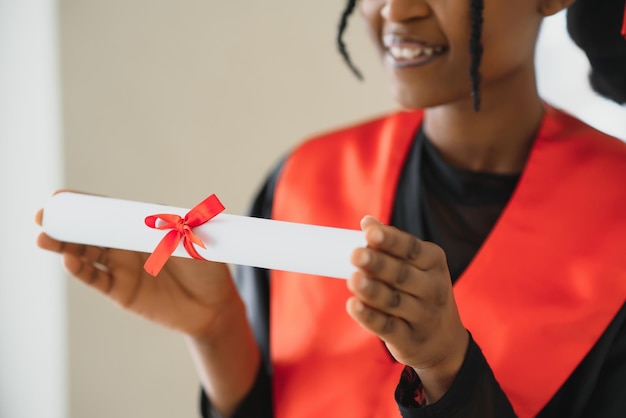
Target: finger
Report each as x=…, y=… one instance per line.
x=402, y=245
x=87, y=252
x=97, y=256
x=397, y=272
x=94, y=275
x=384, y=298
x=387, y=327
x=45, y=242
x=400, y=275
x=39, y=217
x=389, y=239
x=48, y=243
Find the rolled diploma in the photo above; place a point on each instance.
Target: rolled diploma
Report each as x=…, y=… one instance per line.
x=114, y=223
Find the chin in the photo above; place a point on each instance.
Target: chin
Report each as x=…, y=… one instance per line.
x=416, y=99
x=410, y=100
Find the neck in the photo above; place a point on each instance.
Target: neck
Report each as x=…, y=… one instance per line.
x=496, y=139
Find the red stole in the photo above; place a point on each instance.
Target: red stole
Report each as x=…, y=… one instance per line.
x=551, y=274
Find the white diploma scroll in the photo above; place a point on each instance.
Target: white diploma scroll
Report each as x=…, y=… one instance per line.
x=115, y=223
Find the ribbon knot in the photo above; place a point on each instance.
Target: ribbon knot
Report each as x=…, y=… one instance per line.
x=181, y=229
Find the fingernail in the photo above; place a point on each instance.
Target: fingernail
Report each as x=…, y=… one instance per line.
x=376, y=236
x=363, y=259
x=364, y=283
x=358, y=306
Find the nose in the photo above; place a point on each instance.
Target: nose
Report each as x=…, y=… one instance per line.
x=403, y=10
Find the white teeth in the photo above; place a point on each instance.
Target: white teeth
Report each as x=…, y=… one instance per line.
x=405, y=53
x=409, y=53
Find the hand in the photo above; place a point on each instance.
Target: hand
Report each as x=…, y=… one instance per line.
x=403, y=294
x=188, y=295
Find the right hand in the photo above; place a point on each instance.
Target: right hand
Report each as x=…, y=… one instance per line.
x=188, y=295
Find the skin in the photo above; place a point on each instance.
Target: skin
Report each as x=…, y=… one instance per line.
x=401, y=286
x=402, y=289
x=403, y=293
x=195, y=298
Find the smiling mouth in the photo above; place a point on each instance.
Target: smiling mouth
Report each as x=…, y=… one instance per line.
x=412, y=52
x=403, y=53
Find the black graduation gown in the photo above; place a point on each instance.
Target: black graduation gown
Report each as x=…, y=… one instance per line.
x=455, y=209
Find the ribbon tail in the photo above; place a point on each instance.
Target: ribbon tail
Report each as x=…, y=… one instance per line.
x=162, y=253
x=191, y=250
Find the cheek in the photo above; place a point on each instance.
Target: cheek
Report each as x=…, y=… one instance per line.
x=455, y=25
x=371, y=8
x=506, y=54
x=370, y=13
x=509, y=35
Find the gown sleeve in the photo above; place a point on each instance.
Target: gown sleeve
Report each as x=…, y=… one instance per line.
x=474, y=392
x=253, y=286
x=596, y=388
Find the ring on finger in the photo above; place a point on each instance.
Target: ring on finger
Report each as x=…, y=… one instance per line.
x=94, y=274
x=101, y=267
x=100, y=264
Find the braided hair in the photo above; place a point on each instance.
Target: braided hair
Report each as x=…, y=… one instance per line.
x=476, y=49
x=593, y=25
x=343, y=24
x=475, y=45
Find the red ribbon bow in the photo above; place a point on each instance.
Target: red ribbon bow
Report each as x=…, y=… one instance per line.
x=181, y=228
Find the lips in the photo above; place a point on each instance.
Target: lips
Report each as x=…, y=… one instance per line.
x=404, y=52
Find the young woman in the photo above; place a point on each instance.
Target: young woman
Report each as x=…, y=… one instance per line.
x=493, y=282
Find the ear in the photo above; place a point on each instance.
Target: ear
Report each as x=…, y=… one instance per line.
x=550, y=7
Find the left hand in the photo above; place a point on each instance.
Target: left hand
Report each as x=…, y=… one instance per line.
x=403, y=294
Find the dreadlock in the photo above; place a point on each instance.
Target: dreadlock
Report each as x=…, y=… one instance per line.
x=475, y=46
x=476, y=49
x=343, y=23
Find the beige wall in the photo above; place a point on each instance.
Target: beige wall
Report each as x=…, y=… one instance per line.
x=169, y=101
